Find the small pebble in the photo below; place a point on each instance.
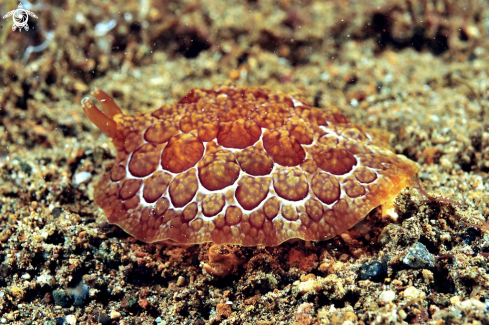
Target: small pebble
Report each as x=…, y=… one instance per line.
x=373, y=271
x=411, y=293
x=310, y=286
x=115, y=314
x=93, y=293
x=5, y=235
x=428, y=276
x=82, y=177
x=61, y=298
x=17, y=293
x=71, y=320
x=26, y=168
x=402, y=314
x=433, y=309
x=44, y=279
x=56, y=212
x=180, y=281
x=455, y=300
x=158, y=320
x=418, y=257
x=387, y=296
x=445, y=237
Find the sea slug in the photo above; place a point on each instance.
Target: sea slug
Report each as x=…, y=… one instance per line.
x=247, y=166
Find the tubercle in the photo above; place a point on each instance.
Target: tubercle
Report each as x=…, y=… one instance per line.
x=103, y=120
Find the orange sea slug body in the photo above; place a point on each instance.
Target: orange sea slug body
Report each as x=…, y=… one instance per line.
x=241, y=166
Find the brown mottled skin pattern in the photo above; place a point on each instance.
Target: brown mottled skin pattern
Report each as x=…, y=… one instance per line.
x=242, y=166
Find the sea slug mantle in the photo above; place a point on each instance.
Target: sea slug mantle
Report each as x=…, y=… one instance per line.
x=246, y=166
